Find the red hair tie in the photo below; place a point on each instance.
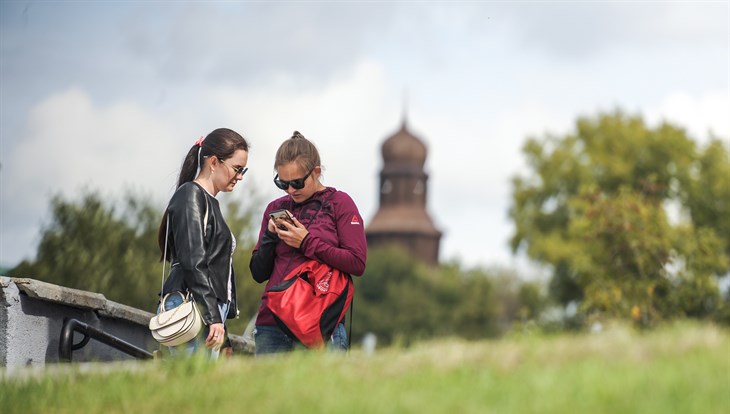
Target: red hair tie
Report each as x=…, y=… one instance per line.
x=199, y=142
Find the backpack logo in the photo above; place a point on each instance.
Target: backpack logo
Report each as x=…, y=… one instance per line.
x=324, y=284
x=354, y=220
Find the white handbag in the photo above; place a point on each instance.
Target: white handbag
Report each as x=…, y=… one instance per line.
x=178, y=325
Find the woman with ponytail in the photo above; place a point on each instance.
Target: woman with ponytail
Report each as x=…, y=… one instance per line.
x=199, y=243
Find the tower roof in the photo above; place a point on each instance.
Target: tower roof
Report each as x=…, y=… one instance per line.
x=404, y=148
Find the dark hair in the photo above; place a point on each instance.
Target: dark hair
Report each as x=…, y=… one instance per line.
x=297, y=149
x=220, y=143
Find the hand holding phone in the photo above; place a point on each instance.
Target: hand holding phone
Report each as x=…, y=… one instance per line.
x=281, y=215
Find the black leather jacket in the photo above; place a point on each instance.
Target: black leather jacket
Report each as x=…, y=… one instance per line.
x=201, y=258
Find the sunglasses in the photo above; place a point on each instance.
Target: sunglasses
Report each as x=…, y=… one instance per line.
x=297, y=184
x=237, y=170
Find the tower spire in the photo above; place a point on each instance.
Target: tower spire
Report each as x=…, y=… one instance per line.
x=404, y=121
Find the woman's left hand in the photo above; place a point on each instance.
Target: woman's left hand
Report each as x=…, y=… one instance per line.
x=216, y=336
x=293, y=235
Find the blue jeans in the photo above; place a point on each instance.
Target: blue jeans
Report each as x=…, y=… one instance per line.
x=272, y=340
x=193, y=346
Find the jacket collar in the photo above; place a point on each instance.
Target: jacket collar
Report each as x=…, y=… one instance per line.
x=318, y=196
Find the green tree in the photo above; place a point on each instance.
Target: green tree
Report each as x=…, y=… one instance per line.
x=707, y=194
x=91, y=246
x=594, y=208
x=531, y=301
x=481, y=308
x=401, y=300
x=392, y=300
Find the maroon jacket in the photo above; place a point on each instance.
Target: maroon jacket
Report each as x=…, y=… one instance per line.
x=336, y=237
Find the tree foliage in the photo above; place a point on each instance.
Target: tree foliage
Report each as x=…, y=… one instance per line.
x=401, y=300
x=90, y=245
x=596, y=206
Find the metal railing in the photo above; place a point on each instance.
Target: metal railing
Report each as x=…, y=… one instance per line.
x=66, y=345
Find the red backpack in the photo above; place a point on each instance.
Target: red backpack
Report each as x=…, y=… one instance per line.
x=310, y=301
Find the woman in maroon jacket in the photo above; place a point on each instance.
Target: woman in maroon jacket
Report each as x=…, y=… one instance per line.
x=327, y=227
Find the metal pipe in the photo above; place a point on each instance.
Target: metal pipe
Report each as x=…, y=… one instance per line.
x=66, y=345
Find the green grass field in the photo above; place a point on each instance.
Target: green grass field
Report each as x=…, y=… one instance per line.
x=683, y=368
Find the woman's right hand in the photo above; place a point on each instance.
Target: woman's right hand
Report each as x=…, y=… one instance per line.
x=294, y=235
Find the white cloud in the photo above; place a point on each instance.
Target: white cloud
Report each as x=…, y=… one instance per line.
x=700, y=114
x=71, y=144
x=585, y=29
x=472, y=164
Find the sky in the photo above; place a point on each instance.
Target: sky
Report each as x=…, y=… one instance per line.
x=109, y=96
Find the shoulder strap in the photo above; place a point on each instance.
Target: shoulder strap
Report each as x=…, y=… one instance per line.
x=164, y=256
x=205, y=217
x=352, y=302
x=167, y=234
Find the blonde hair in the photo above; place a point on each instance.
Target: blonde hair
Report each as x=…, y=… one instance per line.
x=299, y=150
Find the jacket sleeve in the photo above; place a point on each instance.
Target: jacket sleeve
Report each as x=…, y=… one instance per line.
x=350, y=255
x=262, y=257
x=188, y=208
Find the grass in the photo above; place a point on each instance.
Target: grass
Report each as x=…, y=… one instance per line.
x=683, y=368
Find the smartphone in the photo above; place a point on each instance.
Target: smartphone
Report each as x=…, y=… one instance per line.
x=279, y=215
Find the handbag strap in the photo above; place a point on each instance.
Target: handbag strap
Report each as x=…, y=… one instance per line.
x=167, y=234
x=164, y=258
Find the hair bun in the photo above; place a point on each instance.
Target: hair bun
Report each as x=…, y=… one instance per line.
x=297, y=134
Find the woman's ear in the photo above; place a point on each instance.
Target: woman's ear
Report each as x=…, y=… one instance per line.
x=213, y=161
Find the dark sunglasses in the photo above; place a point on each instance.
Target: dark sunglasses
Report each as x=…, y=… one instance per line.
x=297, y=184
x=237, y=170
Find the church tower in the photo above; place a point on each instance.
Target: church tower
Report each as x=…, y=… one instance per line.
x=402, y=218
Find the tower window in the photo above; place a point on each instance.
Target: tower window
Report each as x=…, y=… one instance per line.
x=418, y=188
x=387, y=187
